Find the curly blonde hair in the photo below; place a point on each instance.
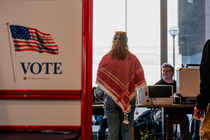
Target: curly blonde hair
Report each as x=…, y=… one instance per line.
x=120, y=46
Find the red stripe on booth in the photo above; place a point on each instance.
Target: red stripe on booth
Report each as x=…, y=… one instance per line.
x=40, y=94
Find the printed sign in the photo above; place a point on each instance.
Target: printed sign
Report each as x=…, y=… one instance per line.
x=40, y=45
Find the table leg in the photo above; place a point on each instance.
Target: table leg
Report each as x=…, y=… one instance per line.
x=163, y=123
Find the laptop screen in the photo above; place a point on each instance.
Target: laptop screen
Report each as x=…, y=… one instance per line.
x=160, y=91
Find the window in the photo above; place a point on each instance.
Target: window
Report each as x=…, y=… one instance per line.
x=141, y=20
x=143, y=27
x=191, y=17
x=108, y=17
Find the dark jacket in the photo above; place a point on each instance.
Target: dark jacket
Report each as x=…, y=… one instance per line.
x=204, y=97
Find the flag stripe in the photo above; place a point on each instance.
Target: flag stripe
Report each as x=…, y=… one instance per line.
x=35, y=38
x=33, y=42
x=35, y=30
x=35, y=46
x=33, y=49
x=39, y=35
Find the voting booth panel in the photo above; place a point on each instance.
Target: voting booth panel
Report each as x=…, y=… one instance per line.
x=41, y=64
x=188, y=82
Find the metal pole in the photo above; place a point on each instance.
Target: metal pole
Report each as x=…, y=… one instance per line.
x=13, y=69
x=163, y=33
x=174, y=51
x=126, y=10
x=163, y=124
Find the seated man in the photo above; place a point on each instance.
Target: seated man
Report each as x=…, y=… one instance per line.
x=167, y=79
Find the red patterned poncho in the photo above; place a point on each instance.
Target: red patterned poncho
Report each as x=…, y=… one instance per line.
x=120, y=79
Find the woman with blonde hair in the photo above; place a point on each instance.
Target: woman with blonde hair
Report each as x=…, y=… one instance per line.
x=120, y=75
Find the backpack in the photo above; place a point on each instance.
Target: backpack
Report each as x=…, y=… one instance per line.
x=144, y=126
x=143, y=120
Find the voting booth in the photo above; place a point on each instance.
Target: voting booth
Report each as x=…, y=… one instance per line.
x=46, y=65
x=188, y=83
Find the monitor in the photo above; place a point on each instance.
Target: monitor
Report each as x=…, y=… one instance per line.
x=160, y=91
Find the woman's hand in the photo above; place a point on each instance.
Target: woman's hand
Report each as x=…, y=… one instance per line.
x=198, y=113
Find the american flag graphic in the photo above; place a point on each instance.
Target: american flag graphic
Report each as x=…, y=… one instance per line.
x=31, y=39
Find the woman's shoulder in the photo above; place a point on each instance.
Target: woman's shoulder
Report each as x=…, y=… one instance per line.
x=106, y=56
x=132, y=55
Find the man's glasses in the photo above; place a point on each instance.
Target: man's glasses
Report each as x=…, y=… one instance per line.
x=164, y=71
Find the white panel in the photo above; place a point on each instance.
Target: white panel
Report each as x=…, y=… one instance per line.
x=40, y=112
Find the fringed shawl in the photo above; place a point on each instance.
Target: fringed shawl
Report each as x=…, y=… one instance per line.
x=120, y=79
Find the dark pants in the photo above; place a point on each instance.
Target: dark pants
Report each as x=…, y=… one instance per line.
x=183, y=120
x=102, y=126
x=195, y=129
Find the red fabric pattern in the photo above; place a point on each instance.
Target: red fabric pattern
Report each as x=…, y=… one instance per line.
x=120, y=78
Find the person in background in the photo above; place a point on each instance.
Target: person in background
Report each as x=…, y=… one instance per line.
x=120, y=75
x=203, y=99
x=167, y=79
x=99, y=98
